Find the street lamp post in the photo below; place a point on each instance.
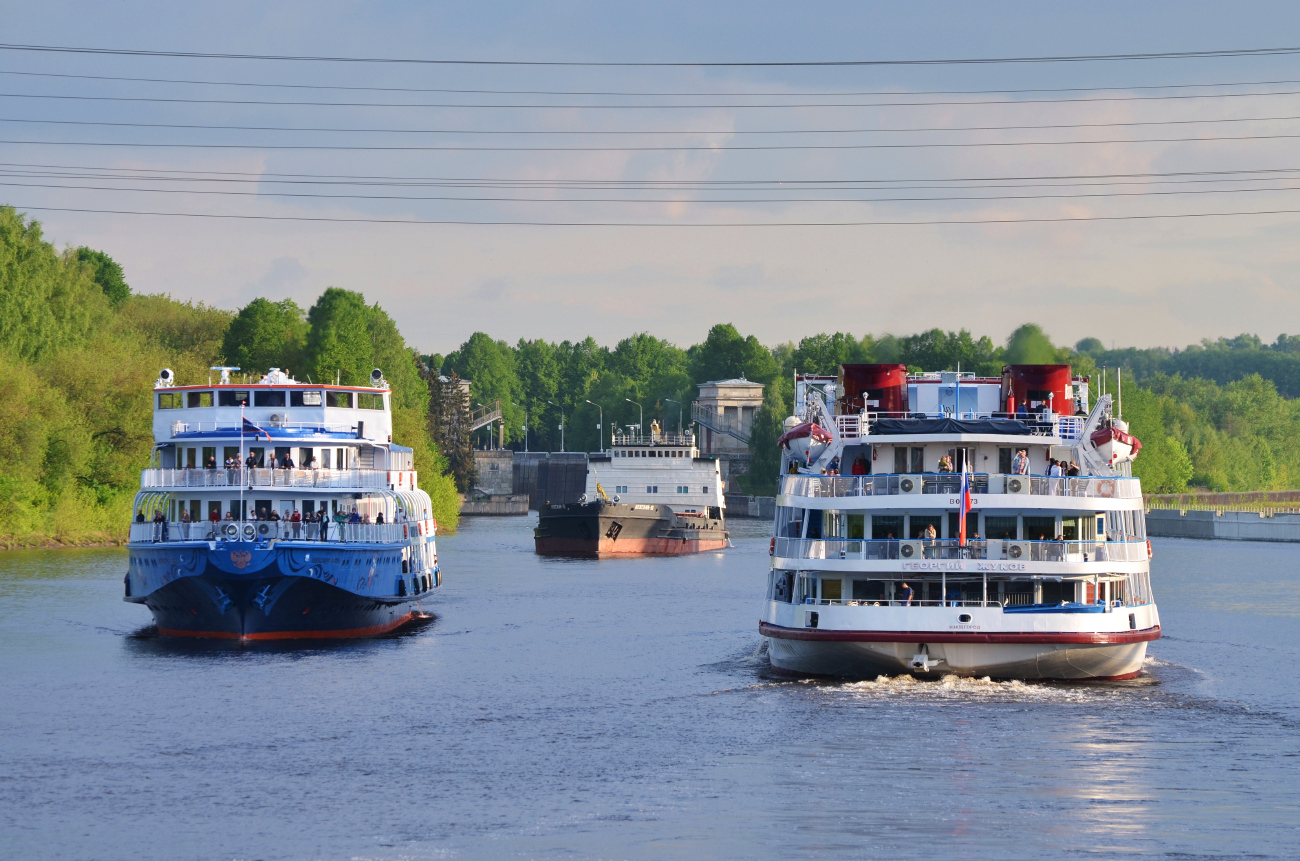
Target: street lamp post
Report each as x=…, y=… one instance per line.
x=679, y=413
x=525, y=409
x=561, y=409
x=600, y=433
x=640, y=428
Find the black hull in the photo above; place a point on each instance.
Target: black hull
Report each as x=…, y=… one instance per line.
x=272, y=608
x=600, y=529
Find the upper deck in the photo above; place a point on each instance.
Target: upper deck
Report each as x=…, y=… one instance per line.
x=278, y=406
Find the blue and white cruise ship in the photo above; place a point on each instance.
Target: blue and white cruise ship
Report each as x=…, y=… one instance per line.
x=279, y=510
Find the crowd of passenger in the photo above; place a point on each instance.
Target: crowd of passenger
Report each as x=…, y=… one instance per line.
x=293, y=524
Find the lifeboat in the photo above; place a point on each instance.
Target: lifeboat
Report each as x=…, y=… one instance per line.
x=805, y=430
x=1116, y=445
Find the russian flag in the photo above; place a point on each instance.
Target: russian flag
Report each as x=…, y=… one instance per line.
x=249, y=427
x=965, y=507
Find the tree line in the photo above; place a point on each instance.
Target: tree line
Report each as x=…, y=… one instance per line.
x=79, y=353
x=1219, y=415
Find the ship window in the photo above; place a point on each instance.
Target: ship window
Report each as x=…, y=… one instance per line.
x=199, y=399
x=231, y=398
x=884, y=527
x=370, y=401
x=304, y=399
x=1040, y=528
x=1004, y=460
x=268, y=399
x=831, y=590
x=654, y=488
x=868, y=590
x=920, y=521
x=704, y=490
x=338, y=399
x=170, y=401
x=1001, y=528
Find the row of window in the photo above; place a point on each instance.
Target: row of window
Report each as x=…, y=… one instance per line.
x=321, y=458
x=818, y=523
x=650, y=452
x=654, y=488
x=292, y=398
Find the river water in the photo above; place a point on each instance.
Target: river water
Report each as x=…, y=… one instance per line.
x=577, y=709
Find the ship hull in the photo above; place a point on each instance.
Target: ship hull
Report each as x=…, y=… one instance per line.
x=280, y=593
x=1066, y=657
x=602, y=530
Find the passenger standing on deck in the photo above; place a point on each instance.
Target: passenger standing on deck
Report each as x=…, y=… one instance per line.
x=905, y=595
x=859, y=465
x=1020, y=463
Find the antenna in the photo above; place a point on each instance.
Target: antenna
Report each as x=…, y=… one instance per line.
x=1119, y=390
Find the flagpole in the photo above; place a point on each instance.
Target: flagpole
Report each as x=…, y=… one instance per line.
x=242, y=512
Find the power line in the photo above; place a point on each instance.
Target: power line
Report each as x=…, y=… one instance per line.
x=501, y=199
x=270, y=175
x=633, y=107
x=710, y=149
x=893, y=223
x=884, y=185
x=957, y=61
x=678, y=93
x=652, y=132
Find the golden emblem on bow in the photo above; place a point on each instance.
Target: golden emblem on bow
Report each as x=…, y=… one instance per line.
x=241, y=558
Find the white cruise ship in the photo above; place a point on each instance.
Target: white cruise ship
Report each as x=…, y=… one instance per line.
x=873, y=573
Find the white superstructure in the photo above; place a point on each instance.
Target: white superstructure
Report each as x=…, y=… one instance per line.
x=658, y=468
x=871, y=572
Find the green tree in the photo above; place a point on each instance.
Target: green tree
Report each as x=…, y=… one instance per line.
x=726, y=354
x=48, y=301
x=338, y=341
x=490, y=368
x=1028, y=345
x=265, y=335
x=765, y=466
x=107, y=273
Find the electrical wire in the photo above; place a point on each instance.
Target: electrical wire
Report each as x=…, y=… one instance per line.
x=655, y=201
x=674, y=224
x=652, y=132
x=281, y=176
x=642, y=107
x=958, y=61
x=678, y=93
x=708, y=149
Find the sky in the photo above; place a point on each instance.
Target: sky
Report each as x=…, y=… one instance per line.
x=812, y=248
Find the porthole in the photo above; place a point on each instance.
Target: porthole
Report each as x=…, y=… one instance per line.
x=964, y=617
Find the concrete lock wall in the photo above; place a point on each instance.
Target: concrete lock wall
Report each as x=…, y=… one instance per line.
x=1227, y=525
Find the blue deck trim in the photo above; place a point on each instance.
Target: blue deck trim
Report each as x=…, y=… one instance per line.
x=1056, y=608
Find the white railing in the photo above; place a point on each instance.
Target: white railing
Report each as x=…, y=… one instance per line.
x=678, y=439
x=180, y=427
x=279, y=530
x=327, y=479
x=850, y=426
x=942, y=549
x=1070, y=427
x=948, y=483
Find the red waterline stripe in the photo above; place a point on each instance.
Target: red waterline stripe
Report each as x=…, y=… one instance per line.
x=1084, y=638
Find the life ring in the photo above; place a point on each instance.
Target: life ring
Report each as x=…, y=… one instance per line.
x=1106, y=488
x=1150, y=553
x=771, y=548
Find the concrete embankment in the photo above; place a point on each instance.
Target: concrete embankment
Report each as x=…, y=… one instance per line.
x=1229, y=525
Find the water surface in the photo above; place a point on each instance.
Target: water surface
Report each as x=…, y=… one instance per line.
x=618, y=709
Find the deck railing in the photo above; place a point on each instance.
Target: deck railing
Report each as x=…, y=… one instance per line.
x=265, y=530
x=942, y=549
x=179, y=428
x=948, y=483
x=317, y=478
